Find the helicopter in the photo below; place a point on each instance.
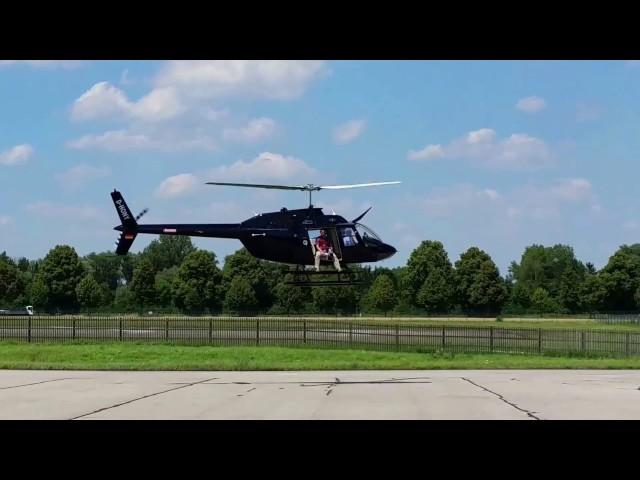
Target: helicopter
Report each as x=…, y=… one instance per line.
x=286, y=236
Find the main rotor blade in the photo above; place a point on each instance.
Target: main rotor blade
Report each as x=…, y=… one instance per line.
x=338, y=187
x=253, y=185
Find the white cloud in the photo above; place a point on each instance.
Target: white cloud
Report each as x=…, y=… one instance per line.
x=349, y=131
x=448, y=202
x=126, y=140
x=62, y=211
x=270, y=79
x=490, y=193
x=51, y=64
x=574, y=189
x=105, y=100
x=178, y=185
x=101, y=100
x=518, y=151
x=5, y=220
x=266, y=166
x=256, y=130
x=531, y=202
x=159, y=104
x=531, y=104
x=82, y=174
x=215, y=115
x=427, y=153
x=17, y=155
x=482, y=136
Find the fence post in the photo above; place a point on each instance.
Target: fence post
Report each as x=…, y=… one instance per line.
x=397, y=337
x=350, y=334
x=583, y=343
x=304, y=331
x=74, y=328
x=210, y=330
x=443, y=337
x=539, y=341
x=29, y=330
x=120, y=329
x=166, y=329
x=491, y=339
x=257, y=331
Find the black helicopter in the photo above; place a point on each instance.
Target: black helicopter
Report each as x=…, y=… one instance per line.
x=287, y=236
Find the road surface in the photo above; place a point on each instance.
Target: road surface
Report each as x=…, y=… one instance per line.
x=453, y=394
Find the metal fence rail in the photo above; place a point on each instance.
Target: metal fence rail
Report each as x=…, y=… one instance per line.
x=617, y=318
x=322, y=333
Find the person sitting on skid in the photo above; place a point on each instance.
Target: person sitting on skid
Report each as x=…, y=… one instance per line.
x=324, y=251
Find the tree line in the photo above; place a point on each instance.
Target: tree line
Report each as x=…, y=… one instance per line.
x=171, y=275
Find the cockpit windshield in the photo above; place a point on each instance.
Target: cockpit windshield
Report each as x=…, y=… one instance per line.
x=365, y=232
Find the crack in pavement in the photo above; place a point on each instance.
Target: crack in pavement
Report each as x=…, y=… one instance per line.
x=337, y=382
x=502, y=398
x=393, y=381
x=142, y=398
x=38, y=383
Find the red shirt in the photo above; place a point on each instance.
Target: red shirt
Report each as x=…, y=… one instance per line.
x=322, y=244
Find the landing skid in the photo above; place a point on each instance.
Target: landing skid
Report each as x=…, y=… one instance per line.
x=308, y=277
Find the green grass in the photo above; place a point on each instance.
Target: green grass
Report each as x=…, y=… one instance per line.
x=138, y=356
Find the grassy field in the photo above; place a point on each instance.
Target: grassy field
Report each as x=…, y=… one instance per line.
x=139, y=356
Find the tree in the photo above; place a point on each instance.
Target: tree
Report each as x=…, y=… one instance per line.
x=164, y=286
x=196, y=286
x=519, y=299
x=124, y=300
x=554, y=269
x=89, y=292
x=143, y=284
x=622, y=278
x=478, y=285
x=168, y=251
x=39, y=293
x=382, y=296
x=335, y=299
x=12, y=284
x=593, y=292
x=291, y=299
x=61, y=271
x=128, y=264
x=240, y=297
x=542, y=302
x=263, y=276
x=436, y=293
x=105, y=268
x=427, y=259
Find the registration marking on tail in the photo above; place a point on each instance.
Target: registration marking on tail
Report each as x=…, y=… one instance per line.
x=169, y=230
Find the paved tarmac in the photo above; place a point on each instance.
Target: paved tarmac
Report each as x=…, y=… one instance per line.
x=415, y=394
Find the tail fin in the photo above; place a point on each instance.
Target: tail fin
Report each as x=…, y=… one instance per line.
x=129, y=224
x=126, y=217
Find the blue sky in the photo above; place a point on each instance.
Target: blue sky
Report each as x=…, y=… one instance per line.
x=494, y=154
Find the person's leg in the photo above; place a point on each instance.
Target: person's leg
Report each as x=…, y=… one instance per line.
x=318, y=255
x=336, y=262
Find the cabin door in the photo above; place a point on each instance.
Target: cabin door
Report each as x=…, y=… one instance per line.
x=333, y=240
